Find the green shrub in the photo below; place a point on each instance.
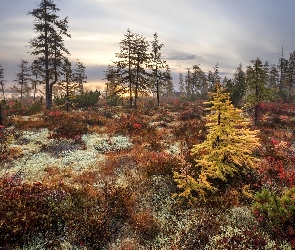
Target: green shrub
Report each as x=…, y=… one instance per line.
x=276, y=213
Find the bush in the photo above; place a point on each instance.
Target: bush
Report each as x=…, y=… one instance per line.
x=65, y=125
x=87, y=99
x=84, y=216
x=276, y=213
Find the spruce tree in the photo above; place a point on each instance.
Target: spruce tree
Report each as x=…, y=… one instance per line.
x=36, y=72
x=227, y=150
x=48, y=45
x=257, y=89
x=22, y=79
x=156, y=65
x=2, y=81
x=79, y=75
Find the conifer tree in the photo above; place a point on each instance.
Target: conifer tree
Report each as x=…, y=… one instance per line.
x=156, y=64
x=36, y=72
x=68, y=86
x=114, y=88
x=167, y=87
x=227, y=150
x=2, y=81
x=48, y=45
x=291, y=76
x=181, y=83
x=257, y=90
x=22, y=79
x=213, y=77
x=79, y=75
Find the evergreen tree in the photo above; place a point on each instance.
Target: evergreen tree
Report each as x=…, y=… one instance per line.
x=273, y=77
x=131, y=69
x=237, y=86
x=181, y=83
x=168, y=87
x=226, y=152
x=213, y=77
x=68, y=86
x=257, y=90
x=36, y=72
x=156, y=64
x=141, y=60
x=22, y=80
x=283, y=75
x=114, y=88
x=2, y=81
x=188, y=83
x=48, y=45
x=291, y=76
x=79, y=75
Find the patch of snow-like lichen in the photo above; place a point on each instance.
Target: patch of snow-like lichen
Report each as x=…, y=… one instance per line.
x=104, y=143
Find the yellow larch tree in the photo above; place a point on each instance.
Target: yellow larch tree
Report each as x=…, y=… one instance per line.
x=227, y=150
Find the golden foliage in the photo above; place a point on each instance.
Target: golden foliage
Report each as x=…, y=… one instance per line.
x=226, y=151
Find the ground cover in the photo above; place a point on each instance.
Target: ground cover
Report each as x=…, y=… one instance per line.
x=103, y=179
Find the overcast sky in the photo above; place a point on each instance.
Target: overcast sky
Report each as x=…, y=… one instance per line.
x=193, y=32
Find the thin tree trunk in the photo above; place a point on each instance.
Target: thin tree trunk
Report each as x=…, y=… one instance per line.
x=1, y=118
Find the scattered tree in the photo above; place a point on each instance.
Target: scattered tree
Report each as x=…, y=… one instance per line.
x=257, y=90
x=2, y=81
x=36, y=72
x=48, y=45
x=213, y=77
x=168, y=88
x=156, y=64
x=291, y=76
x=79, y=75
x=237, y=86
x=22, y=80
x=181, y=83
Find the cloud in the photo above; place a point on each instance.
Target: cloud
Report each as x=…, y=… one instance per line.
x=182, y=57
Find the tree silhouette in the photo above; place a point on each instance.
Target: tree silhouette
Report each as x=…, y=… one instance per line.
x=2, y=81
x=22, y=79
x=48, y=45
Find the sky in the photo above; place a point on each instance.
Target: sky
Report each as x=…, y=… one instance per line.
x=203, y=32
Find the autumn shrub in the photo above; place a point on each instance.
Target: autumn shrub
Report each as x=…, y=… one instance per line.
x=7, y=136
x=84, y=216
x=65, y=125
x=199, y=235
x=274, y=175
x=160, y=163
x=94, y=119
x=34, y=107
x=130, y=124
x=145, y=225
x=235, y=238
x=25, y=210
x=192, y=132
x=193, y=112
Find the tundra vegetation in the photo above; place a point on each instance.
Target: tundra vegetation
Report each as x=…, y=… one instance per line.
x=145, y=167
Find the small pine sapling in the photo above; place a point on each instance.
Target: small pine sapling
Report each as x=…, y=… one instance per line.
x=226, y=151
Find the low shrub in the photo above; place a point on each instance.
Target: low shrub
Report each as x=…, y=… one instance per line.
x=145, y=225
x=66, y=125
x=84, y=216
x=276, y=213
